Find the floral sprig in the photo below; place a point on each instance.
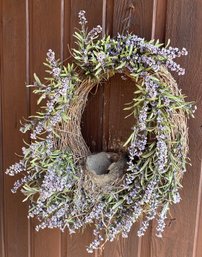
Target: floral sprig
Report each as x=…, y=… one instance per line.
x=60, y=192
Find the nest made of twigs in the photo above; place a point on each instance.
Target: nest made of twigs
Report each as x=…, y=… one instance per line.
x=71, y=136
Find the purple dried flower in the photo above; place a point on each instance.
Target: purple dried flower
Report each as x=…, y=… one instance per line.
x=93, y=33
x=16, y=168
x=20, y=182
x=56, y=72
x=101, y=57
x=82, y=18
x=151, y=88
x=161, y=226
x=51, y=56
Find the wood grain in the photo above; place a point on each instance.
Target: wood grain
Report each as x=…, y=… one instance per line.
x=29, y=28
x=92, y=117
x=138, y=13
x=45, y=33
x=2, y=228
x=125, y=247
x=184, y=30
x=197, y=250
x=14, y=107
x=159, y=19
x=117, y=92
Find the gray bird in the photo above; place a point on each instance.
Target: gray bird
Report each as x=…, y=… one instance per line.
x=106, y=168
x=98, y=163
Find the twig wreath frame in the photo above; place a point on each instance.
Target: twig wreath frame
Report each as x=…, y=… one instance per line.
x=59, y=183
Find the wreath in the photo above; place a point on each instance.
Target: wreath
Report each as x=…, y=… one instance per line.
x=66, y=185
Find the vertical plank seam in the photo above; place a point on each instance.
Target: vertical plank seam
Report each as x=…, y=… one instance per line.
x=64, y=26
x=66, y=10
x=62, y=30
x=153, y=35
x=154, y=13
x=27, y=20
x=165, y=20
x=1, y=140
x=109, y=22
x=104, y=20
x=29, y=68
x=139, y=247
x=104, y=17
x=166, y=34
x=62, y=23
x=27, y=72
x=108, y=28
x=104, y=11
x=198, y=210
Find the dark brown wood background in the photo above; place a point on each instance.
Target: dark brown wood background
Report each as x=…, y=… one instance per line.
x=28, y=29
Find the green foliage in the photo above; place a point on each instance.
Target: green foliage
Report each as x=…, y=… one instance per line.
x=56, y=183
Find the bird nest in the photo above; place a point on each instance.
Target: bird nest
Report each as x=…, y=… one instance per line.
x=105, y=169
x=70, y=187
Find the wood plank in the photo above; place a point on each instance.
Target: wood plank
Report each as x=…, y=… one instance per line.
x=136, y=17
x=118, y=92
x=45, y=33
x=159, y=19
x=92, y=120
x=14, y=107
x=158, y=32
x=2, y=245
x=92, y=117
x=46, y=243
x=51, y=24
x=116, y=130
x=76, y=244
x=184, y=30
x=125, y=247
x=198, y=234
x=138, y=13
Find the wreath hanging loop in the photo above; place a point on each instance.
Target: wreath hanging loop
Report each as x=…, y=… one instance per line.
x=68, y=187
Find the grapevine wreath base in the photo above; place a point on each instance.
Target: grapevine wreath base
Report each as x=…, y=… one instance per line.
x=67, y=186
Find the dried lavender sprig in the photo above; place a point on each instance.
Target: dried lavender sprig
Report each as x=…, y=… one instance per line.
x=142, y=60
x=82, y=19
x=93, y=33
x=16, y=168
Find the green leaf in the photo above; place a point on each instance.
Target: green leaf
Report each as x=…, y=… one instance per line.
x=97, y=66
x=168, y=43
x=77, y=52
x=55, y=133
x=41, y=98
x=154, y=78
x=117, y=204
x=98, y=71
x=65, y=117
x=130, y=50
x=37, y=79
x=129, y=140
x=147, y=155
x=121, y=65
x=78, y=36
x=145, y=164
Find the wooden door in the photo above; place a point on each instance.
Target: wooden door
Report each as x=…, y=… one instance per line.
x=28, y=29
